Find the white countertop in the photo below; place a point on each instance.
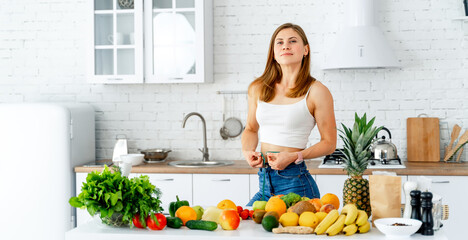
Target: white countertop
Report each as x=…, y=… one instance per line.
x=94, y=229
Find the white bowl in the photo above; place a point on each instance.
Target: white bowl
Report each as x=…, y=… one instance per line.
x=385, y=226
x=134, y=158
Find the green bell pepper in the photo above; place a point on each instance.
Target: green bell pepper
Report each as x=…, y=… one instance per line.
x=173, y=206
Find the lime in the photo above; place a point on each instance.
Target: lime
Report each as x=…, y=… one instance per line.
x=270, y=222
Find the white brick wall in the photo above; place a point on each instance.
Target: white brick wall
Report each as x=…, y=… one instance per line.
x=42, y=59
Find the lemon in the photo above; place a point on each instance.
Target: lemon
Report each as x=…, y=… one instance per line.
x=289, y=219
x=308, y=219
x=321, y=215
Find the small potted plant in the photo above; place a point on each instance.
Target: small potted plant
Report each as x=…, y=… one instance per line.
x=117, y=198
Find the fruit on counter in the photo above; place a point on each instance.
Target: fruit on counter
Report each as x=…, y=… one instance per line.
x=321, y=215
x=327, y=208
x=294, y=230
x=199, y=210
x=139, y=221
x=259, y=205
x=302, y=206
x=229, y=219
x=227, y=204
x=276, y=204
x=336, y=227
x=212, y=214
x=327, y=222
x=304, y=198
x=289, y=219
x=351, y=212
x=309, y=219
x=251, y=213
x=173, y=206
x=174, y=222
x=202, y=225
x=239, y=209
x=350, y=229
x=361, y=218
x=186, y=213
x=364, y=228
x=258, y=215
x=156, y=221
x=269, y=222
x=331, y=198
x=272, y=213
x=317, y=203
x=244, y=214
x=290, y=199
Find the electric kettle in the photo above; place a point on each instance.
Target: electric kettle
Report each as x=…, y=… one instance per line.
x=383, y=149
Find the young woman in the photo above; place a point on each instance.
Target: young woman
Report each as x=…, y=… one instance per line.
x=285, y=104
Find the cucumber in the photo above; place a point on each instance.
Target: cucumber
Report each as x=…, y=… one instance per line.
x=201, y=225
x=174, y=222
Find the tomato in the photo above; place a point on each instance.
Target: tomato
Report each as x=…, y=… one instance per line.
x=137, y=221
x=251, y=213
x=244, y=214
x=156, y=222
x=239, y=209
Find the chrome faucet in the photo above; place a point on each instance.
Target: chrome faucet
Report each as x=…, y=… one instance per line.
x=206, y=156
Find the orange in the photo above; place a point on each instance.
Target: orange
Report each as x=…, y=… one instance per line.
x=276, y=204
x=332, y=199
x=317, y=203
x=227, y=204
x=186, y=213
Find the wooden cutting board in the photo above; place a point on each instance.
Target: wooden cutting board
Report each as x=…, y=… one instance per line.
x=423, y=139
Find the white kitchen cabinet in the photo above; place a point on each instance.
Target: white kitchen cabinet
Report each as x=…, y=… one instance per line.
x=178, y=41
x=254, y=187
x=210, y=189
x=115, y=46
x=454, y=193
x=167, y=41
x=172, y=185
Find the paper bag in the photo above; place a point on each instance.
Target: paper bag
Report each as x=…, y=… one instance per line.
x=385, y=196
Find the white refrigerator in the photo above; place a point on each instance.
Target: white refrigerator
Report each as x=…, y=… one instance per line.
x=40, y=144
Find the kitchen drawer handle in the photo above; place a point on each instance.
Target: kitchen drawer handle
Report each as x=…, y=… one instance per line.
x=446, y=181
x=115, y=79
x=166, y=179
x=222, y=180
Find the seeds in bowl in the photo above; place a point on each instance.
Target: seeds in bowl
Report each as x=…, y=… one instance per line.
x=399, y=224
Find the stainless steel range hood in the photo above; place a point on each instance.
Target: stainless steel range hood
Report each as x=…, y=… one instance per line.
x=360, y=44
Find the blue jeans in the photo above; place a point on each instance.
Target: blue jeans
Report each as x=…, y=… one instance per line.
x=294, y=178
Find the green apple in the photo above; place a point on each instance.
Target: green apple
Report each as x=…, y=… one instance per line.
x=199, y=210
x=259, y=205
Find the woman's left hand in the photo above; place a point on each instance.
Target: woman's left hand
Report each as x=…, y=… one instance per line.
x=279, y=161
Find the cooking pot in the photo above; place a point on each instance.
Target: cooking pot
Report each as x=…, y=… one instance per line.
x=155, y=154
x=383, y=149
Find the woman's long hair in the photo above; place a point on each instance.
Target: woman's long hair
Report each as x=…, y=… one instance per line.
x=273, y=73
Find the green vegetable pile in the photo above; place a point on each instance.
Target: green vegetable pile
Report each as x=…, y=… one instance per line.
x=117, y=198
x=290, y=199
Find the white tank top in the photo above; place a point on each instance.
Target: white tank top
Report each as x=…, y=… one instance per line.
x=285, y=125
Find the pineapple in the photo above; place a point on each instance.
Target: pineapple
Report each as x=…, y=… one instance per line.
x=357, y=142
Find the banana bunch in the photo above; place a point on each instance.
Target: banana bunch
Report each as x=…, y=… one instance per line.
x=350, y=221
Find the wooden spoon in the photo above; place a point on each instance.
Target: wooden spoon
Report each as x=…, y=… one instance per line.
x=462, y=141
x=455, y=132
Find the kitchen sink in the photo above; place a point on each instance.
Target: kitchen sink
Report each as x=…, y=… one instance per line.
x=200, y=164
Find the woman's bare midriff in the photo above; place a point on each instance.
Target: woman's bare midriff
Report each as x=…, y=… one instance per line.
x=267, y=147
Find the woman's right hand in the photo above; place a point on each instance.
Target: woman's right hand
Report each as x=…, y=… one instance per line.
x=253, y=158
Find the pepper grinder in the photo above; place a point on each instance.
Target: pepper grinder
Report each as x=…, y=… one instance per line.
x=408, y=187
x=427, y=227
x=416, y=206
